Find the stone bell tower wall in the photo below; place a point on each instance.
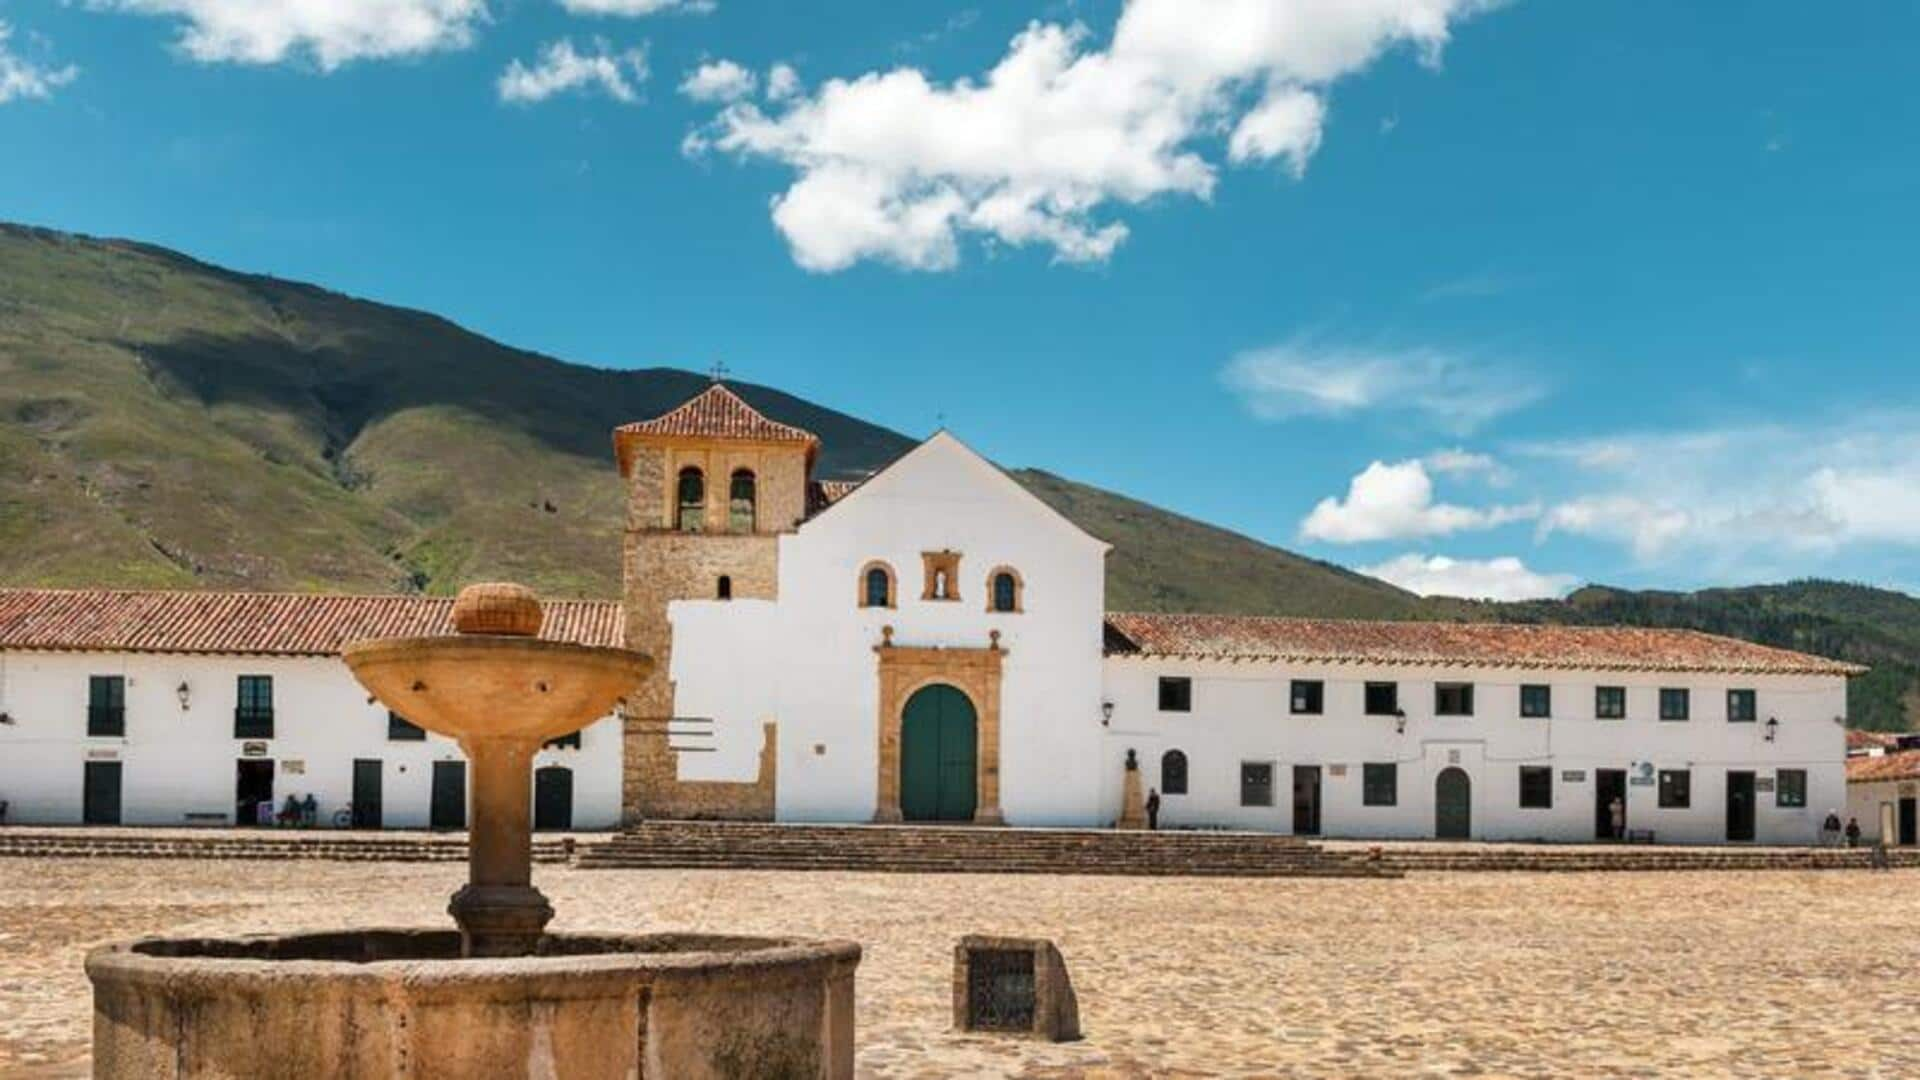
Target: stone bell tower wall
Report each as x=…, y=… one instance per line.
x=663, y=564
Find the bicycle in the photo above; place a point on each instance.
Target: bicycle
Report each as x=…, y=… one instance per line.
x=343, y=817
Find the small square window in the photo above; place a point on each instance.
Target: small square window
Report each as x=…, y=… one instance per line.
x=1176, y=693
x=1536, y=787
x=1790, y=788
x=401, y=729
x=1676, y=789
x=1308, y=697
x=1383, y=699
x=1536, y=702
x=1675, y=704
x=570, y=741
x=1256, y=783
x=1379, y=784
x=1610, y=703
x=1453, y=699
x=1743, y=707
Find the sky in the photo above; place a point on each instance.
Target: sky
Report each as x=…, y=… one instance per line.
x=1490, y=299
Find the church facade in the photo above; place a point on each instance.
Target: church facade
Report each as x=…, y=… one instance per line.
x=932, y=644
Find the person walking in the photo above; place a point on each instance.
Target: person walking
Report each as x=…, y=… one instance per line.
x=1153, y=809
x=1830, y=830
x=1617, y=813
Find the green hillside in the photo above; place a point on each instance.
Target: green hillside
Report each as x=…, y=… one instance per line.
x=168, y=423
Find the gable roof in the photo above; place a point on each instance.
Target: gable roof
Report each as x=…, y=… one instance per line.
x=258, y=624
x=1495, y=645
x=714, y=413
x=828, y=499
x=1900, y=765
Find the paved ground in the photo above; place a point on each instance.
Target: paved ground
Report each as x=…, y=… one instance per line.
x=1775, y=974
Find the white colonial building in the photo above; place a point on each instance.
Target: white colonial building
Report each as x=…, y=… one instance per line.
x=930, y=644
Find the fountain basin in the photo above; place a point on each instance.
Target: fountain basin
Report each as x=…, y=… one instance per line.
x=402, y=1002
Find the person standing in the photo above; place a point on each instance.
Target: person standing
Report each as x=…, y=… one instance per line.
x=1830, y=830
x=1617, y=813
x=1153, y=809
x=1853, y=832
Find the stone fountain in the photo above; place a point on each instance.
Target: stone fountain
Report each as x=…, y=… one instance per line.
x=499, y=997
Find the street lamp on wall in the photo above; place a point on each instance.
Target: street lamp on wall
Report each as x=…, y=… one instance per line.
x=184, y=693
x=1399, y=721
x=1106, y=713
x=1773, y=727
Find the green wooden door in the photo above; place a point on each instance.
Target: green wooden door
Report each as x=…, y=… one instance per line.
x=938, y=762
x=1453, y=805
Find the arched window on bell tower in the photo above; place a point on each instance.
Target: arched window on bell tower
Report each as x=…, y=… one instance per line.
x=691, y=500
x=740, y=498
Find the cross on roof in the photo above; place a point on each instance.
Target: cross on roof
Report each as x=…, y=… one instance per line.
x=718, y=372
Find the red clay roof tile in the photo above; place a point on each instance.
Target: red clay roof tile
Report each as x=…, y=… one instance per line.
x=1901, y=765
x=266, y=624
x=1234, y=637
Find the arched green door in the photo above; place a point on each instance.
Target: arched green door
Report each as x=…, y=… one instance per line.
x=1453, y=805
x=938, y=756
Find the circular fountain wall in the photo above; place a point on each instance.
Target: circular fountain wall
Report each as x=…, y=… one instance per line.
x=381, y=1003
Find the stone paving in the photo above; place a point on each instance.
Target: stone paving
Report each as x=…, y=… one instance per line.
x=1801, y=974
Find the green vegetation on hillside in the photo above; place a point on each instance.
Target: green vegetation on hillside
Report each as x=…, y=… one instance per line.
x=167, y=423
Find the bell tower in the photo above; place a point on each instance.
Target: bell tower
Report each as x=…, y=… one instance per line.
x=711, y=485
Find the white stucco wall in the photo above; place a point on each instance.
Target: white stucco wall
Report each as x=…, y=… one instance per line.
x=808, y=661
x=1240, y=713
x=1877, y=807
x=177, y=765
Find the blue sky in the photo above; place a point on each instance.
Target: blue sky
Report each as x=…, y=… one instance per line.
x=1490, y=298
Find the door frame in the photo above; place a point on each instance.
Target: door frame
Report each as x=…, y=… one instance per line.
x=903, y=670
x=939, y=697
x=87, y=791
x=1467, y=810
x=363, y=816
x=1603, y=779
x=550, y=771
x=1751, y=813
x=1317, y=803
x=446, y=768
x=260, y=765
x=1907, y=817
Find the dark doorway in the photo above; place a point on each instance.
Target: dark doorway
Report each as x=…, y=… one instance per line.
x=1453, y=804
x=1739, y=806
x=448, y=809
x=1608, y=785
x=938, y=752
x=100, y=794
x=252, y=788
x=1306, y=800
x=553, y=797
x=366, y=793
x=1909, y=826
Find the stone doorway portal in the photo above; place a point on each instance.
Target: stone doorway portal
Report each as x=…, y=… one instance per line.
x=1453, y=804
x=939, y=763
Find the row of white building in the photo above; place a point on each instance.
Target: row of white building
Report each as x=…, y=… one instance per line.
x=931, y=644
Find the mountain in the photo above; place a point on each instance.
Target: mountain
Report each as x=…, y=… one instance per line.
x=167, y=423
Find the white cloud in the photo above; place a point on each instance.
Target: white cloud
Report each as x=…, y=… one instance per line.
x=636, y=7
x=1461, y=462
x=333, y=32
x=783, y=82
x=1501, y=578
x=1395, y=502
x=721, y=80
x=1307, y=378
x=1648, y=527
x=562, y=68
x=23, y=78
x=892, y=166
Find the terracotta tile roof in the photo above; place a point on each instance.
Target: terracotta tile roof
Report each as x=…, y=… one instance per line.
x=1902, y=765
x=1869, y=740
x=1235, y=637
x=714, y=413
x=264, y=624
x=824, y=493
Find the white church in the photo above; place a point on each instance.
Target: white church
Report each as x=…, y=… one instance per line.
x=929, y=645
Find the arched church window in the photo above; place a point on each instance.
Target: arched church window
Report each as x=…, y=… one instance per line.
x=876, y=586
x=740, y=492
x=1003, y=590
x=1173, y=773
x=692, y=499
x=724, y=590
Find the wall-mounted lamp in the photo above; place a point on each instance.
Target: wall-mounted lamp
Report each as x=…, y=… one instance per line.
x=1400, y=721
x=184, y=693
x=7, y=718
x=1773, y=727
x=1106, y=713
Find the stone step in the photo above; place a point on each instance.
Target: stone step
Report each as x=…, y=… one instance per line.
x=368, y=848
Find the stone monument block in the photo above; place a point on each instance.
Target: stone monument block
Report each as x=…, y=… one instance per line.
x=1013, y=986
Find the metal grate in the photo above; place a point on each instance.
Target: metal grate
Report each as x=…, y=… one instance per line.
x=1000, y=990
